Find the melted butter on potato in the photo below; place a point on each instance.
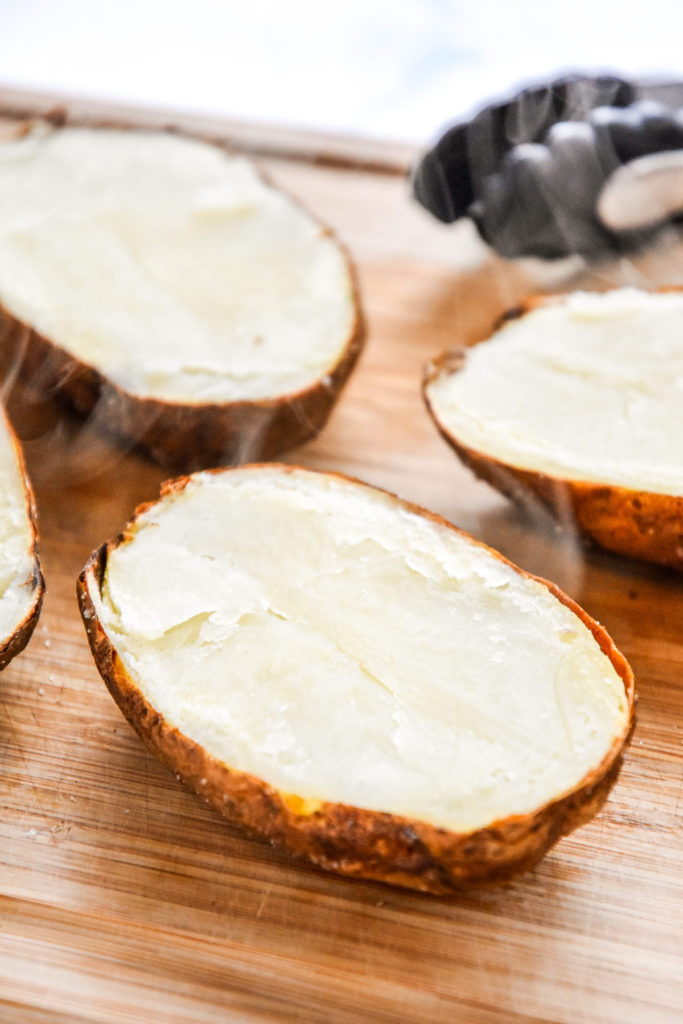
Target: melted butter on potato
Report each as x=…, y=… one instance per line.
x=319, y=635
x=588, y=389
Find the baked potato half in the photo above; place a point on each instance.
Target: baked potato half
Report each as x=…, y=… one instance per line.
x=574, y=403
x=21, y=580
x=162, y=287
x=353, y=679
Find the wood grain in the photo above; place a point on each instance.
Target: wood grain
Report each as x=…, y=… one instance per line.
x=124, y=900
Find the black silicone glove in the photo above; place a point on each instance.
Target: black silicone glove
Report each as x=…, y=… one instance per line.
x=584, y=165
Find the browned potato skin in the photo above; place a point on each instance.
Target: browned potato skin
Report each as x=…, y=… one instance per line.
x=638, y=524
x=12, y=645
x=349, y=840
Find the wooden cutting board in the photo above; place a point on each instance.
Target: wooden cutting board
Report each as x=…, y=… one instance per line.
x=124, y=899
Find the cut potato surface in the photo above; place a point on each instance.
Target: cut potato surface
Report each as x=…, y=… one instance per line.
x=363, y=664
x=21, y=581
x=582, y=390
x=174, y=271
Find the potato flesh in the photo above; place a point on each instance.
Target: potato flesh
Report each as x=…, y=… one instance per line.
x=316, y=635
x=17, y=591
x=168, y=265
x=589, y=389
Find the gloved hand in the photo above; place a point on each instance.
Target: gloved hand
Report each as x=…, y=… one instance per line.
x=585, y=165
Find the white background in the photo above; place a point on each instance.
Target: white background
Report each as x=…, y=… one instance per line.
x=397, y=70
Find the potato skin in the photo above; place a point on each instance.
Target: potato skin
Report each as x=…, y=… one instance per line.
x=348, y=840
x=182, y=436
x=642, y=525
x=15, y=643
